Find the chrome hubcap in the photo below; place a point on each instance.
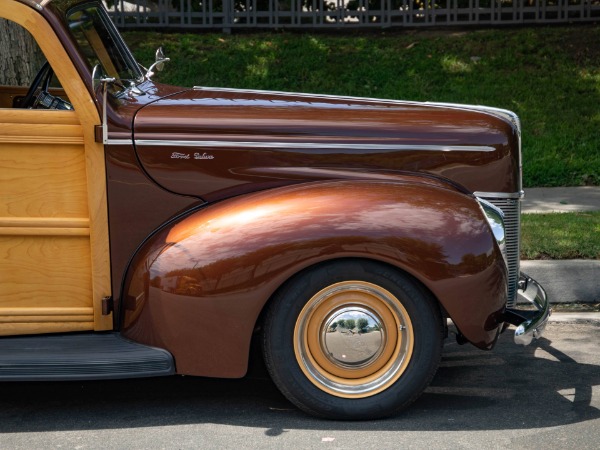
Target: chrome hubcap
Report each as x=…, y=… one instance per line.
x=353, y=337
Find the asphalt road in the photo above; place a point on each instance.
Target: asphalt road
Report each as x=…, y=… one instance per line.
x=543, y=396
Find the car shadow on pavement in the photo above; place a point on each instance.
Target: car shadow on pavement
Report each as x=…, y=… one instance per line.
x=511, y=387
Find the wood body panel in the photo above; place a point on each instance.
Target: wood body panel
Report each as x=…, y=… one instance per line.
x=45, y=271
x=54, y=252
x=43, y=181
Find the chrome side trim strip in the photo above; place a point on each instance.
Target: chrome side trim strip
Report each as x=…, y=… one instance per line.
x=321, y=145
x=119, y=142
x=518, y=195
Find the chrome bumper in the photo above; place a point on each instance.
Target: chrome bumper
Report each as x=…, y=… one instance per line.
x=530, y=323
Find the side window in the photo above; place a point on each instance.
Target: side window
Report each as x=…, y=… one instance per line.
x=26, y=79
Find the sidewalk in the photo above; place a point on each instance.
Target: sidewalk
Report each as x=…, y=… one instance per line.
x=561, y=199
x=575, y=317
x=565, y=281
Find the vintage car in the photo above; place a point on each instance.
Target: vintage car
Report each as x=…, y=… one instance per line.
x=150, y=230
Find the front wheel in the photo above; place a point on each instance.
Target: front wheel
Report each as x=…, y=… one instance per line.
x=352, y=339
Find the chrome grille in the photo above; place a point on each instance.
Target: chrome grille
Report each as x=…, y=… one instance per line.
x=512, y=220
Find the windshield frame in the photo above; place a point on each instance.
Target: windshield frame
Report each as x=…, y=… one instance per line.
x=127, y=58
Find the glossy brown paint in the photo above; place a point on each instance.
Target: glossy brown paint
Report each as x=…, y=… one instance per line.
x=121, y=111
x=137, y=207
x=198, y=287
x=305, y=126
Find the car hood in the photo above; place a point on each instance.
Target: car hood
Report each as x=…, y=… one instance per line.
x=214, y=142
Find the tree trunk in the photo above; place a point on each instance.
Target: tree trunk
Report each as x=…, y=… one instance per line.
x=20, y=56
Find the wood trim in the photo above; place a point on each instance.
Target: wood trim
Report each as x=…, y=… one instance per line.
x=42, y=116
x=45, y=319
x=25, y=128
x=49, y=140
x=97, y=44
x=13, y=329
x=45, y=222
x=97, y=204
x=87, y=115
x=82, y=311
x=44, y=226
x=31, y=231
x=58, y=131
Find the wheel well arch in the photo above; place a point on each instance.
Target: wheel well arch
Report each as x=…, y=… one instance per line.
x=259, y=323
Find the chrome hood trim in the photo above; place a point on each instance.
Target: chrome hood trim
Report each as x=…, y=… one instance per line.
x=505, y=114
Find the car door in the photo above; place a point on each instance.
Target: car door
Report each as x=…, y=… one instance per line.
x=54, y=258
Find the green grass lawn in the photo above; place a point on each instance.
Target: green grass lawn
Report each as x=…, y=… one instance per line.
x=561, y=236
x=549, y=76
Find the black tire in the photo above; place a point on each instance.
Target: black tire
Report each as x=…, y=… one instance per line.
x=332, y=371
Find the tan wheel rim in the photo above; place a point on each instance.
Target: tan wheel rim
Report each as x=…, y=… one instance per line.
x=353, y=339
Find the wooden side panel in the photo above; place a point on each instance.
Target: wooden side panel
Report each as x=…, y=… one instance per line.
x=45, y=252
x=64, y=209
x=46, y=281
x=45, y=271
x=37, y=181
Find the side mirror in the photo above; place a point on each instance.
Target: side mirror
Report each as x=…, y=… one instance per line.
x=99, y=78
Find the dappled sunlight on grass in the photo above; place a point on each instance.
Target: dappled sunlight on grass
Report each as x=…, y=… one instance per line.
x=561, y=236
x=454, y=65
x=260, y=68
x=317, y=44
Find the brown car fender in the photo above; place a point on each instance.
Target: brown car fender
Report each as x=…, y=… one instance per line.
x=197, y=287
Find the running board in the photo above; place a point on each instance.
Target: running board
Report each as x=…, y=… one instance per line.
x=87, y=356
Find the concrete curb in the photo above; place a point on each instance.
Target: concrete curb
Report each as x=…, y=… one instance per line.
x=567, y=281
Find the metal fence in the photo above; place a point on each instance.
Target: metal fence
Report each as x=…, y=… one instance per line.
x=311, y=14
